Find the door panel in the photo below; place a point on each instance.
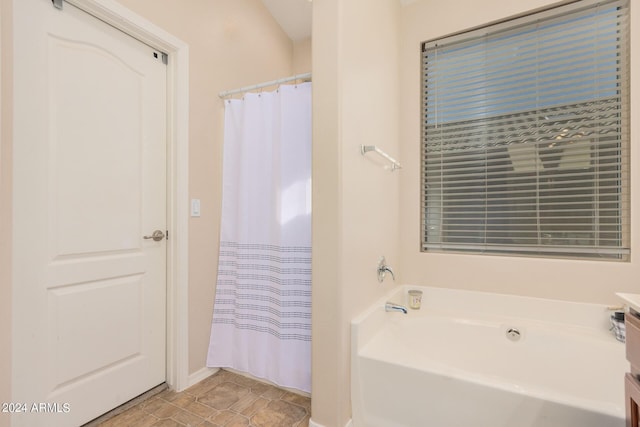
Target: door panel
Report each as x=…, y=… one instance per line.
x=89, y=182
x=84, y=124
x=102, y=343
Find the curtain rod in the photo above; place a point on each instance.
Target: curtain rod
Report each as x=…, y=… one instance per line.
x=226, y=93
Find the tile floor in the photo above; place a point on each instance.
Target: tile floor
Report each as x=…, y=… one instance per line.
x=224, y=399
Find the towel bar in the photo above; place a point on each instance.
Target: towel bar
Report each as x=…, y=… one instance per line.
x=367, y=148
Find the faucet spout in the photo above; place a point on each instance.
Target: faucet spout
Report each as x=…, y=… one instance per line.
x=392, y=306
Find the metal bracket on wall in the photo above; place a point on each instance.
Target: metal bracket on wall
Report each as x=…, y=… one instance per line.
x=57, y=4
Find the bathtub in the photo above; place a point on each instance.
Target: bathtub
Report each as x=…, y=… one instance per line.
x=486, y=360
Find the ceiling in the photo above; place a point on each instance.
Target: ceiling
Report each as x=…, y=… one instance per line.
x=294, y=16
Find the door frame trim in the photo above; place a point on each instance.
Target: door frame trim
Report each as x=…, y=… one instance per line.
x=116, y=15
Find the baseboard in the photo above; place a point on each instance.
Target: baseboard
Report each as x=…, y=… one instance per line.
x=200, y=375
x=315, y=424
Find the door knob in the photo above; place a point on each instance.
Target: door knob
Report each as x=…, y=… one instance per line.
x=156, y=236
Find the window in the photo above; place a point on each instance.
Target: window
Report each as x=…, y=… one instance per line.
x=525, y=146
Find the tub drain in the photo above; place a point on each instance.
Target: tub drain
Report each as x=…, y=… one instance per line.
x=513, y=334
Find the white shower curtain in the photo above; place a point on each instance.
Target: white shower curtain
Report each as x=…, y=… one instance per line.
x=262, y=313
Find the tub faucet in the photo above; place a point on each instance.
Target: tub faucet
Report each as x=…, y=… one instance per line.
x=392, y=306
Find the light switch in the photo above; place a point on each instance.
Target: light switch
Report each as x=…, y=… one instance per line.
x=195, y=207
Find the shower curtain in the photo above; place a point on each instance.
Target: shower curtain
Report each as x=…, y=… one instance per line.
x=262, y=313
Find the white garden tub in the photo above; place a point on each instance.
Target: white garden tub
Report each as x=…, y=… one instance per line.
x=450, y=364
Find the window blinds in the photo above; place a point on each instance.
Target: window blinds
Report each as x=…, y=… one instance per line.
x=526, y=135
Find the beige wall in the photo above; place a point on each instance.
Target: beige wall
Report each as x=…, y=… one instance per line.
x=231, y=44
x=562, y=279
x=355, y=200
x=5, y=206
x=358, y=210
x=302, y=56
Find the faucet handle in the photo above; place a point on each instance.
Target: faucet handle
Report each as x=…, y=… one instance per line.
x=383, y=269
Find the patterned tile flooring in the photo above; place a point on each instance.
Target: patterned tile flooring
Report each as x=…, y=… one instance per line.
x=224, y=399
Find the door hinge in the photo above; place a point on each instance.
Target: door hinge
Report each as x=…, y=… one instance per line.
x=167, y=234
x=57, y=4
x=163, y=57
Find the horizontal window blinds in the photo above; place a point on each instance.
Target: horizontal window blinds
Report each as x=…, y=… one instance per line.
x=526, y=136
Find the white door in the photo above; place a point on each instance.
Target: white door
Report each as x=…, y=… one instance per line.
x=89, y=182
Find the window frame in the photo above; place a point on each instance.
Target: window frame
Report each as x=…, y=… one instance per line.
x=618, y=253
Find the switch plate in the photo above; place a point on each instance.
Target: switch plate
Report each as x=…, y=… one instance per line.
x=195, y=207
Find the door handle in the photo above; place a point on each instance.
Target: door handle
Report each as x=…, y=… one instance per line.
x=156, y=236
